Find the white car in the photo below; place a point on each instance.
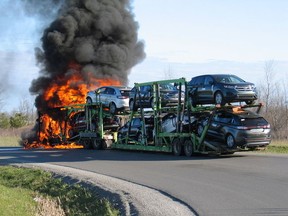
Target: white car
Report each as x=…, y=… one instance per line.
x=116, y=98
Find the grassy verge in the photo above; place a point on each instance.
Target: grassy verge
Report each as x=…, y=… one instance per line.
x=9, y=141
x=278, y=146
x=16, y=201
x=72, y=199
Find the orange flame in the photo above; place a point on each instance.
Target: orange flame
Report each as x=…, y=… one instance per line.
x=65, y=91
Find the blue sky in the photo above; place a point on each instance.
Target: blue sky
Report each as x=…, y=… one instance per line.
x=182, y=38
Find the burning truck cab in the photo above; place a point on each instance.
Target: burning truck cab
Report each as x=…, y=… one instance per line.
x=77, y=126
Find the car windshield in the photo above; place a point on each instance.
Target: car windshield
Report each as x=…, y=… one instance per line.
x=124, y=92
x=228, y=79
x=167, y=87
x=248, y=122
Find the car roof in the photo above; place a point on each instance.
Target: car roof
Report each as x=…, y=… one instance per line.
x=117, y=87
x=242, y=113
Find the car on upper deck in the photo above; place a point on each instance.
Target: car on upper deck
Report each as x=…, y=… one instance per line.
x=220, y=89
x=144, y=96
x=116, y=98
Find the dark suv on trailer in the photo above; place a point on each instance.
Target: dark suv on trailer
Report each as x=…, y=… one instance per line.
x=144, y=98
x=220, y=89
x=237, y=127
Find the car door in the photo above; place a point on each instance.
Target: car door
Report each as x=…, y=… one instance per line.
x=100, y=95
x=110, y=96
x=219, y=124
x=207, y=90
x=199, y=88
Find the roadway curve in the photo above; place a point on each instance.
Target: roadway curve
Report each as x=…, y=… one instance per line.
x=242, y=184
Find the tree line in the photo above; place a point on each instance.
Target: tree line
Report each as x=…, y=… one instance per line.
x=272, y=92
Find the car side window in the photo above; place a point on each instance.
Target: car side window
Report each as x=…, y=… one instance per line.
x=111, y=91
x=208, y=80
x=200, y=80
x=136, y=122
x=102, y=90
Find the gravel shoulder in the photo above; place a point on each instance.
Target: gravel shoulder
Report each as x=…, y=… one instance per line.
x=129, y=198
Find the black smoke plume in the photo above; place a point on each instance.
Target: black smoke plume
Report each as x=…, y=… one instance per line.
x=99, y=35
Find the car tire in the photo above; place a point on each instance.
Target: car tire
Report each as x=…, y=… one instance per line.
x=88, y=100
x=132, y=106
x=112, y=108
x=250, y=102
x=177, y=147
x=218, y=98
x=97, y=144
x=120, y=138
x=139, y=137
x=230, y=141
x=200, y=129
x=188, y=148
x=152, y=103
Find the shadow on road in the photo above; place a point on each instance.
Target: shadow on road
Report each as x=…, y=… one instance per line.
x=12, y=155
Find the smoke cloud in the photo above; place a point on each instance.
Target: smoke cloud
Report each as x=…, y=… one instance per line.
x=99, y=35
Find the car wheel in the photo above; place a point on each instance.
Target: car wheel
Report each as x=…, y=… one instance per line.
x=120, y=138
x=132, y=106
x=250, y=102
x=200, y=129
x=139, y=137
x=230, y=141
x=112, y=108
x=218, y=98
x=152, y=103
x=193, y=102
x=177, y=147
x=188, y=148
x=88, y=100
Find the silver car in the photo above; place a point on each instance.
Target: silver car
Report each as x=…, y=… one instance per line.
x=116, y=98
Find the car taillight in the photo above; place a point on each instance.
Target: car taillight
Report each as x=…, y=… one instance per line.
x=266, y=126
x=122, y=97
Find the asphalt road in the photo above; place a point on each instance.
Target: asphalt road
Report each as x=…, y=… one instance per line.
x=241, y=184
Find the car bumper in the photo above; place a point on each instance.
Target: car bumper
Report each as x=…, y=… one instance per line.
x=237, y=96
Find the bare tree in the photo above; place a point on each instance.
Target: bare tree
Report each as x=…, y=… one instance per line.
x=1, y=97
x=26, y=107
x=269, y=82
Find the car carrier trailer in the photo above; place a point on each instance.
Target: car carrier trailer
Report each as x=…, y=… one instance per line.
x=184, y=139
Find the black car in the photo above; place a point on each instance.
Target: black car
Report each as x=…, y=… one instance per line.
x=78, y=123
x=220, y=89
x=144, y=98
x=238, y=128
x=136, y=130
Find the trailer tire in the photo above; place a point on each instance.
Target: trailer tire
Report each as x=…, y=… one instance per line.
x=97, y=144
x=188, y=148
x=86, y=144
x=177, y=147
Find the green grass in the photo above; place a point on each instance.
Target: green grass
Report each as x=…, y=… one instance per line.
x=11, y=203
x=74, y=199
x=278, y=146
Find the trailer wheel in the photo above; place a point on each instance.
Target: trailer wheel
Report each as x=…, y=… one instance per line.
x=188, y=148
x=97, y=144
x=177, y=147
x=86, y=144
